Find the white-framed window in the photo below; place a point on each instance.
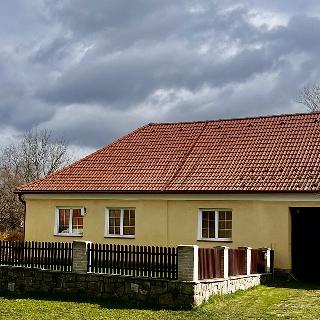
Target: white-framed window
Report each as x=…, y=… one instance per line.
x=69, y=221
x=215, y=224
x=120, y=222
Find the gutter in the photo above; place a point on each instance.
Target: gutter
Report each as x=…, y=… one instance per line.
x=167, y=191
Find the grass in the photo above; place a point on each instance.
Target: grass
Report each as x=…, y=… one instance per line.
x=278, y=301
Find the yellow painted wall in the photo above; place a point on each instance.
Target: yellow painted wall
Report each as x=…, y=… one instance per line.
x=256, y=223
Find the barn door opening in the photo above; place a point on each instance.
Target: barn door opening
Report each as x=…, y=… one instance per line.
x=305, y=243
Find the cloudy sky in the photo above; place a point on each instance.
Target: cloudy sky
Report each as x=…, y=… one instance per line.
x=93, y=70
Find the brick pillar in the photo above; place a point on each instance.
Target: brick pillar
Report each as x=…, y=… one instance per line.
x=267, y=255
x=188, y=263
x=225, y=260
x=248, y=259
x=79, y=263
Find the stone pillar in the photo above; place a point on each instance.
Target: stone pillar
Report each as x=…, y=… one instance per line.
x=188, y=263
x=267, y=255
x=225, y=260
x=80, y=261
x=248, y=259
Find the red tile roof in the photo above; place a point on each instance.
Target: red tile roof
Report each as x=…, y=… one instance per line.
x=262, y=154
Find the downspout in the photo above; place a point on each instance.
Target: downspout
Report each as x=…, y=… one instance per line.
x=21, y=198
x=167, y=224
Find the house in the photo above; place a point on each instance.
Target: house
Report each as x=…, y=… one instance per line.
x=235, y=182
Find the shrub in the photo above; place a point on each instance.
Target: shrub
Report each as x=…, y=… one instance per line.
x=12, y=235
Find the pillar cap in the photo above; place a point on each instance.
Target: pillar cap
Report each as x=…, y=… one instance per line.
x=188, y=246
x=82, y=241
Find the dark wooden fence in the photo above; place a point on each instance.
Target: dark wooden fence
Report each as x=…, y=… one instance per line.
x=237, y=262
x=44, y=255
x=138, y=261
x=210, y=263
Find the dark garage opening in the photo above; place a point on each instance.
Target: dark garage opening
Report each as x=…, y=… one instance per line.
x=305, y=242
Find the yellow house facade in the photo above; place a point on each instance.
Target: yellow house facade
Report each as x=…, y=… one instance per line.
x=170, y=220
x=238, y=182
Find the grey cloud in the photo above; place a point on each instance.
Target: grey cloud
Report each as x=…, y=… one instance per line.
x=51, y=52
x=301, y=34
x=96, y=16
x=91, y=125
x=287, y=7
x=129, y=76
x=94, y=70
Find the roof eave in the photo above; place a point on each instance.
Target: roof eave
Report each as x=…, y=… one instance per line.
x=164, y=191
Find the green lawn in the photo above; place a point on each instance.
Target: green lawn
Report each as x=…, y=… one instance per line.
x=284, y=301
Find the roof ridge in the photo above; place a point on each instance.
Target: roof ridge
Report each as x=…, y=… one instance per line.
x=167, y=184
x=238, y=118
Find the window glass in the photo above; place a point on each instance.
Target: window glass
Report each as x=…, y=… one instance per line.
x=225, y=224
x=208, y=224
x=121, y=222
x=70, y=221
x=216, y=224
x=64, y=221
x=77, y=221
x=114, y=221
x=128, y=222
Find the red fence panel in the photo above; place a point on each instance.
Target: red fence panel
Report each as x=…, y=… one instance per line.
x=210, y=263
x=237, y=262
x=258, y=261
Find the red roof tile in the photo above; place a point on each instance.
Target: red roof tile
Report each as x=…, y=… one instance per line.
x=262, y=154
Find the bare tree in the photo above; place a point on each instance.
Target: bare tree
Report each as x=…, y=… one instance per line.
x=36, y=155
x=11, y=209
x=310, y=97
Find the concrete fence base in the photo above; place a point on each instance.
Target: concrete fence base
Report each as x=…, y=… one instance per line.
x=155, y=292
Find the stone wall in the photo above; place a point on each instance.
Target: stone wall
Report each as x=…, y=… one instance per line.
x=205, y=289
x=156, y=292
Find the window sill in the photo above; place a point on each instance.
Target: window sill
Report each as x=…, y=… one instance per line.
x=68, y=235
x=216, y=240
x=119, y=236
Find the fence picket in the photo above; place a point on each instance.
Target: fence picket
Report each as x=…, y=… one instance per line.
x=125, y=260
x=152, y=262
x=14, y=252
x=168, y=262
x=36, y=265
x=141, y=266
x=157, y=275
x=54, y=256
x=109, y=258
x=121, y=262
x=129, y=265
x=70, y=252
x=64, y=256
x=104, y=258
x=134, y=260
